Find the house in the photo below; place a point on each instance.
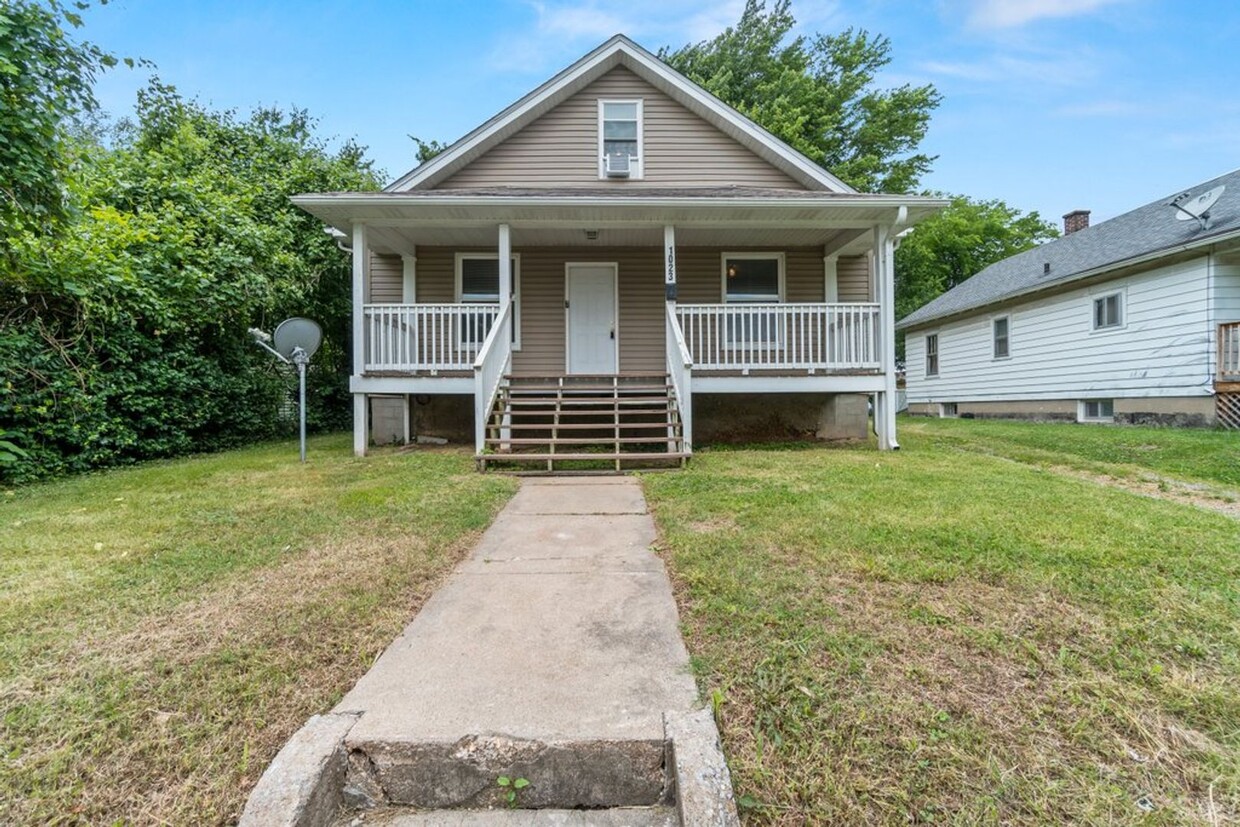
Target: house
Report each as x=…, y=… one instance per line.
x=1134, y=320
x=616, y=262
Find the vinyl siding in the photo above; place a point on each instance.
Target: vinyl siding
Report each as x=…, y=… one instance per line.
x=560, y=149
x=1163, y=350
x=641, y=332
x=387, y=279
x=853, y=279
x=1227, y=293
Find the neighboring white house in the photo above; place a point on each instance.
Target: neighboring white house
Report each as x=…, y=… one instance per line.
x=615, y=262
x=1135, y=320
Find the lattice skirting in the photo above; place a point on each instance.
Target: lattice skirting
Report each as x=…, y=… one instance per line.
x=1227, y=407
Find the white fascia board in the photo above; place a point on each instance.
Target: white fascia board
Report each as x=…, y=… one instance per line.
x=356, y=200
x=1106, y=270
x=619, y=49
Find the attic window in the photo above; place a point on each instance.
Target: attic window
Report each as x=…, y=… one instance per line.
x=620, y=139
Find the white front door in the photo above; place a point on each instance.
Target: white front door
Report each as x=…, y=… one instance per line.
x=592, y=337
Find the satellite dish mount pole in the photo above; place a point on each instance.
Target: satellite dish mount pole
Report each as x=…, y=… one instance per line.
x=301, y=359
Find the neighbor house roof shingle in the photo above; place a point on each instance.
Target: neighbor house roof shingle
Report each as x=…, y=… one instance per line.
x=1134, y=235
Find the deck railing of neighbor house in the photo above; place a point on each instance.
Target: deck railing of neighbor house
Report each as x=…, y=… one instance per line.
x=830, y=337
x=425, y=337
x=680, y=369
x=1229, y=352
x=494, y=360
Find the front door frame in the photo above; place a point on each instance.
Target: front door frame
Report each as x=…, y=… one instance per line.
x=568, y=328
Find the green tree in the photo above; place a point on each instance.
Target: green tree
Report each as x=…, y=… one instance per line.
x=45, y=81
x=958, y=243
x=817, y=94
x=123, y=337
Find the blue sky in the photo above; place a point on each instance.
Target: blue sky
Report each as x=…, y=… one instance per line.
x=1051, y=105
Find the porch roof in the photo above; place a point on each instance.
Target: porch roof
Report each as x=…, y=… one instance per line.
x=702, y=216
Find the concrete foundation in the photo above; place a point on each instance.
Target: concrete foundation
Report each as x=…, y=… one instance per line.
x=739, y=417
x=1180, y=411
x=387, y=419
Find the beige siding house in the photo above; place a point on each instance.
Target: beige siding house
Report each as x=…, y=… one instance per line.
x=611, y=249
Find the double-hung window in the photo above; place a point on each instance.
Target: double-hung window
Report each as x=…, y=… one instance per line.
x=1001, y=337
x=753, y=278
x=932, y=354
x=620, y=138
x=477, y=282
x=1109, y=311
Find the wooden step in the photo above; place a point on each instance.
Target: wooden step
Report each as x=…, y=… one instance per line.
x=624, y=440
x=583, y=426
x=589, y=400
x=601, y=456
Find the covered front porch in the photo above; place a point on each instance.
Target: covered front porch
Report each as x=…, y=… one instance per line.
x=464, y=292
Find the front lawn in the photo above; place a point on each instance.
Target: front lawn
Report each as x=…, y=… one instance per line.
x=164, y=629
x=942, y=635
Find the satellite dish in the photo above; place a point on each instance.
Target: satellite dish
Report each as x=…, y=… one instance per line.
x=297, y=333
x=1189, y=207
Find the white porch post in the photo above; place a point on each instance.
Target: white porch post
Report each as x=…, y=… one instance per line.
x=831, y=278
x=669, y=258
x=884, y=285
x=505, y=266
x=409, y=277
x=505, y=298
x=361, y=430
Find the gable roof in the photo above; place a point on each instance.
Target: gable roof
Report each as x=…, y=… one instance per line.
x=1144, y=234
x=619, y=51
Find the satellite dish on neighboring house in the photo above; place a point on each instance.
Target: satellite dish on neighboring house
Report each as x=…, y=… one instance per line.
x=1196, y=207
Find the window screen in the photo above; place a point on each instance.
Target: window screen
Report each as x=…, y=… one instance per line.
x=752, y=279
x=1107, y=311
x=1001, y=338
x=479, y=280
x=932, y=355
x=620, y=127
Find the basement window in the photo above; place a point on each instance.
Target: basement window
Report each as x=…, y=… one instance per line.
x=1096, y=410
x=948, y=410
x=477, y=282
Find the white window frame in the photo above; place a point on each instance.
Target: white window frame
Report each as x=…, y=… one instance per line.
x=1121, y=303
x=458, y=274
x=949, y=410
x=938, y=361
x=994, y=338
x=781, y=276
x=637, y=165
x=1082, y=410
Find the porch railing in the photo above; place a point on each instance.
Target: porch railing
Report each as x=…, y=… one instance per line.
x=425, y=337
x=680, y=369
x=830, y=337
x=494, y=360
x=1229, y=352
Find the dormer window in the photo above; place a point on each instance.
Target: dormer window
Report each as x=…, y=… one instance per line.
x=620, y=138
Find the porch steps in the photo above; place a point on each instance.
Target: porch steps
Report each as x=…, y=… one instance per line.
x=616, y=422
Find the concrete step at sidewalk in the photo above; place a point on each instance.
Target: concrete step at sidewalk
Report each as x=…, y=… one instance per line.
x=616, y=817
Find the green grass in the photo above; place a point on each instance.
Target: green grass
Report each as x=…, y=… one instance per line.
x=1194, y=454
x=164, y=629
x=944, y=636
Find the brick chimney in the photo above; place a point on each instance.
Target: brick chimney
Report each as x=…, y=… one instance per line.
x=1075, y=220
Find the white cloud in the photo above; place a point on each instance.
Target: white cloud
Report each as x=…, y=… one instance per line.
x=1054, y=70
x=1008, y=14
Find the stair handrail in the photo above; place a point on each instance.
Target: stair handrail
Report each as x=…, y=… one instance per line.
x=493, y=362
x=680, y=370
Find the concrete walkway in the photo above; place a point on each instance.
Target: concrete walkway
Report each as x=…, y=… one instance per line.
x=560, y=629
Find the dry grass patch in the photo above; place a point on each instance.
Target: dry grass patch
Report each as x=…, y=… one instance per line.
x=215, y=627
x=937, y=637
